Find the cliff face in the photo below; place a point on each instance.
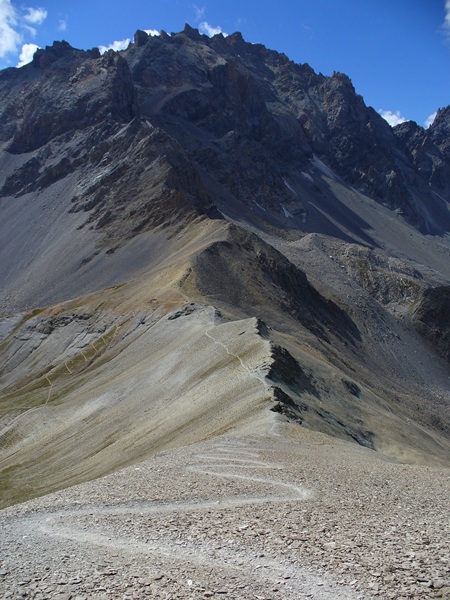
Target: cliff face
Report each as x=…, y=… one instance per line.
x=187, y=183
x=431, y=317
x=63, y=90
x=247, y=117
x=274, y=115
x=429, y=149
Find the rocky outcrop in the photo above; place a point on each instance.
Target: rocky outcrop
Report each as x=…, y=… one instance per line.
x=361, y=147
x=385, y=278
x=251, y=276
x=79, y=89
x=431, y=318
x=430, y=149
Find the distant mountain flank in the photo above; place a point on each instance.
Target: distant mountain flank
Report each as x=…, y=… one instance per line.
x=222, y=96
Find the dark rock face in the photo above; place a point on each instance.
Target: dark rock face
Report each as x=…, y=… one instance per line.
x=140, y=38
x=431, y=318
x=70, y=90
x=361, y=147
x=253, y=102
x=246, y=118
x=430, y=149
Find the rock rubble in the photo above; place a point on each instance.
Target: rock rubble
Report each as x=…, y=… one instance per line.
x=242, y=516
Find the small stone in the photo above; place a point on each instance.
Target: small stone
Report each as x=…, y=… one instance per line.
x=438, y=584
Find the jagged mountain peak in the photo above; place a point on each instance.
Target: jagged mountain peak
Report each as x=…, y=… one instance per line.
x=227, y=86
x=44, y=57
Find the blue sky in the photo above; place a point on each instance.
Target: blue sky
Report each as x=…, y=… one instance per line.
x=397, y=52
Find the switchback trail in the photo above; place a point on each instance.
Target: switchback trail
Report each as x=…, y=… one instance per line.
x=226, y=477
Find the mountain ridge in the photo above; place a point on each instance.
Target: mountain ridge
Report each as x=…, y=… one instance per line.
x=190, y=180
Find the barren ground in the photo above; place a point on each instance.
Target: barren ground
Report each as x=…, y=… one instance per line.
x=283, y=514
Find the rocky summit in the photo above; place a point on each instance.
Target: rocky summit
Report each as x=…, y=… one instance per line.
x=226, y=269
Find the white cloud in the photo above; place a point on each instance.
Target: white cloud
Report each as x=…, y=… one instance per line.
x=199, y=12
x=152, y=32
x=35, y=15
x=31, y=30
x=26, y=55
x=430, y=120
x=393, y=118
x=62, y=24
x=10, y=39
x=116, y=46
x=7, y=11
x=446, y=24
x=16, y=24
x=209, y=30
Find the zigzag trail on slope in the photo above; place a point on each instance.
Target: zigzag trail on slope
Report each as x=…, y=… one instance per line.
x=74, y=527
x=265, y=510
x=253, y=373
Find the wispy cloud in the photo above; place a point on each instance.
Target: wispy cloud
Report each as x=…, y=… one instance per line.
x=36, y=16
x=31, y=30
x=430, y=119
x=446, y=24
x=151, y=32
x=199, y=12
x=209, y=30
x=116, y=46
x=26, y=55
x=16, y=24
x=393, y=118
x=308, y=31
x=62, y=24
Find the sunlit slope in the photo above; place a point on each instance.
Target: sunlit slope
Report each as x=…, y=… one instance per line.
x=149, y=382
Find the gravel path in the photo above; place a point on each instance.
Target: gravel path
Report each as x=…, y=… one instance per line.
x=286, y=515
